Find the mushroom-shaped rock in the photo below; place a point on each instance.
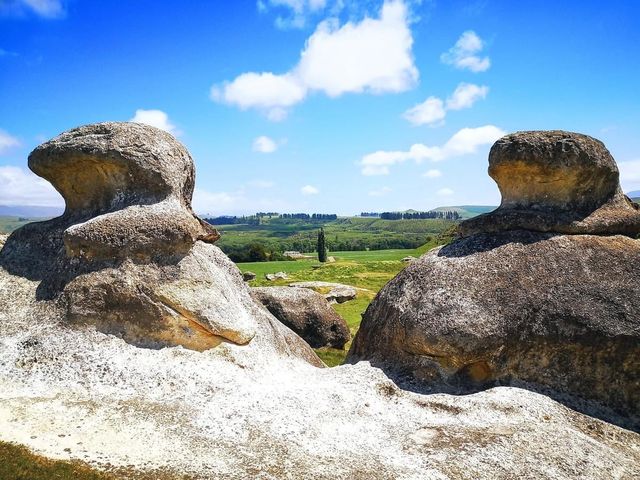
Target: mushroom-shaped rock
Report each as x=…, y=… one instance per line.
x=551, y=311
x=129, y=256
x=128, y=187
x=556, y=181
x=305, y=312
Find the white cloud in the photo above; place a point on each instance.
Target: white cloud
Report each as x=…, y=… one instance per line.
x=261, y=90
x=155, y=118
x=309, y=190
x=428, y=112
x=630, y=174
x=380, y=192
x=433, y=173
x=277, y=114
x=7, y=142
x=464, y=53
x=465, y=95
x=433, y=110
x=21, y=187
x=445, y=192
x=264, y=144
x=372, y=56
x=43, y=8
x=463, y=142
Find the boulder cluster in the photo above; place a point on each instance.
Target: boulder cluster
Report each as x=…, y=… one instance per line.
x=130, y=342
x=543, y=292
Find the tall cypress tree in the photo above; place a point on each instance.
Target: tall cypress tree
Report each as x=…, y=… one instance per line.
x=322, y=248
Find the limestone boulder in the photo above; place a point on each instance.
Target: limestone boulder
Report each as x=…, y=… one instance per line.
x=248, y=276
x=305, y=312
x=272, y=277
x=556, y=181
x=552, y=310
x=508, y=304
x=127, y=189
x=129, y=257
x=341, y=294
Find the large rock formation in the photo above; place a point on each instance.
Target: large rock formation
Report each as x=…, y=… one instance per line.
x=559, y=182
x=128, y=255
x=258, y=410
x=553, y=311
x=305, y=312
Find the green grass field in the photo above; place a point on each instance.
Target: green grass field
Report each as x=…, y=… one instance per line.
x=9, y=224
x=367, y=270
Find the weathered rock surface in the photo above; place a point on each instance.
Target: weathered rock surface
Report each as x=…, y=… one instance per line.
x=557, y=311
x=333, y=292
x=129, y=256
x=554, y=312
x=305, y=312
x=272, y=277
x=127, y=189
x=79, y=394
x=341, y=294
x=258, y=410
x=556, y=181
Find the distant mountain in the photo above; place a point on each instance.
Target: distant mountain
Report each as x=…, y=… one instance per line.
x=29, y=211
x=467, y=211
x=635, y=194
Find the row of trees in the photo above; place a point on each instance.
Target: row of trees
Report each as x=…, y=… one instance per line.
x=260, y=251
x=306, y=216
x=447, y=215
x=255, y=219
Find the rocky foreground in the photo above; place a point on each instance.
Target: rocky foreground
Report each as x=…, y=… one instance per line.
x=180, y=372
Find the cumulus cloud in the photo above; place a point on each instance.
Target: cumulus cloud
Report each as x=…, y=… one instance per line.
x=464, y=54
x=21, y=187
x=7, y=142
x=261, y=90
x=465, y=95
x=433, y=173
x=463, y=142
x=630, y=174
x=380, y=192
x=155, y=118
x=43, y=8
x=370, y=56
x=445, y=192
x=433, y=110
x=309, y=190
x=264, y=144
x=429, y=112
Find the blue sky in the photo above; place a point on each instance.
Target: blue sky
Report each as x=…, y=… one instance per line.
x=329, y=106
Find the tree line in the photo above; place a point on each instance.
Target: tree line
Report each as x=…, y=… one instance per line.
x=255, y=219
x=446, y=215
